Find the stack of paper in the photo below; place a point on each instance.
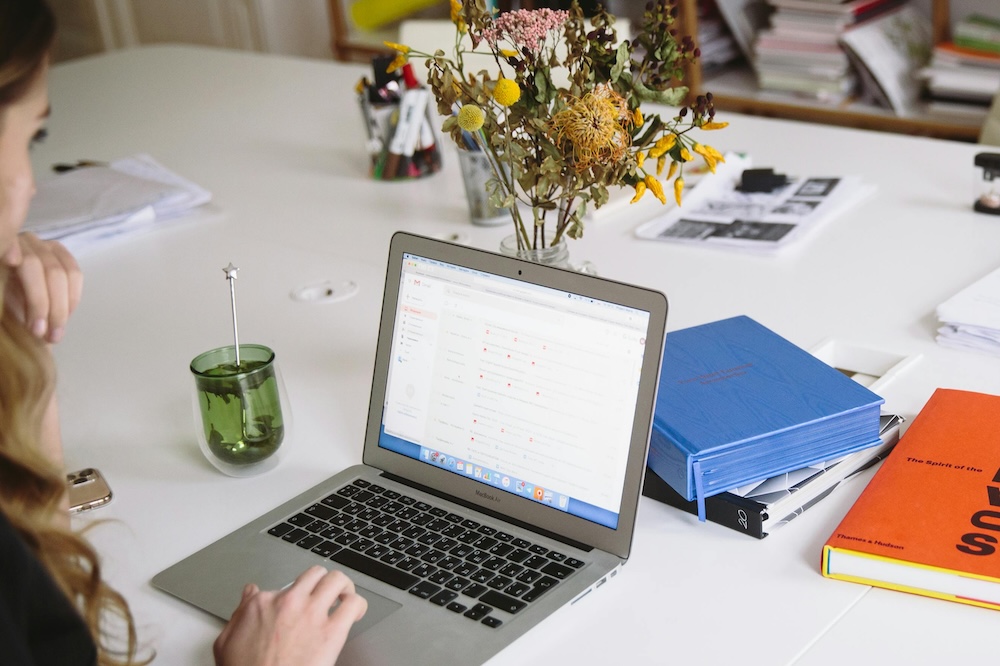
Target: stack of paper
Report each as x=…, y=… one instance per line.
x=738, y=403
x=971, y=318
x=91, y=204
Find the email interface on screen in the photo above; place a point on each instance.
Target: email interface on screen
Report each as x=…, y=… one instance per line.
x=527, y=389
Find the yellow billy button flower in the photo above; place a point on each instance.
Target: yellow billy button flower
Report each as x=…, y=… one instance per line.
x=640, y=189
x=678, y=189
x=656, y=188
x=662, y=145
x=714, y=125
x=471, y=118
x=506, y=92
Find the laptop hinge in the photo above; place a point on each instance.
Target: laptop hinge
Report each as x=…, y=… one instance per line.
x=488, y=512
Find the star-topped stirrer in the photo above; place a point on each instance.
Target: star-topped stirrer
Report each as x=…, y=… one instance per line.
x=230, y=272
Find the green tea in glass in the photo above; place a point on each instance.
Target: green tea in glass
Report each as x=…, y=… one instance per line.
x=240, y=412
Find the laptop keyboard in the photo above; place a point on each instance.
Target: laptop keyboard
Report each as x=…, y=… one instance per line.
x=463, y=565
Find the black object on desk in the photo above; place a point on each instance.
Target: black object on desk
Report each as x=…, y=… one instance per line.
x=762, y=180
x=988, y=183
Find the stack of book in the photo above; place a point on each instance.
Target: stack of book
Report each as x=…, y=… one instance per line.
x=800, y=51
x=964, y=74
x=717, y=46
x=737, y=403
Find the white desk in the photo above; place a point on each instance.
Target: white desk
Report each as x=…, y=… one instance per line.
x=278, y=142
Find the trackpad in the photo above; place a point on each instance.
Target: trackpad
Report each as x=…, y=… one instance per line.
x=379, y=608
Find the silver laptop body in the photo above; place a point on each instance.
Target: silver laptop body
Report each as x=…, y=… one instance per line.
x=514, y=400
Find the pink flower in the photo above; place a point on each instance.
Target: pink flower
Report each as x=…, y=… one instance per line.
x=525, y=28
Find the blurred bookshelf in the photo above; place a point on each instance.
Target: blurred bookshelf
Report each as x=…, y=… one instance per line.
x=735, y=89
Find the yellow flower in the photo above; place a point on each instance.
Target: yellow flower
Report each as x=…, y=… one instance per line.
x=640, y=189
x=637, y=118
x=714, y=125
x=509, y=53
x=661, y=161
x=506, y=92
x=678, y=189
x=672, y=170
x=656, y=188
x=639, y=159
x=662, y=145
x=471, y=118
x=686, y=154
x=399, y=48
x=711, y=155
x=456, y=16
x=596, y=126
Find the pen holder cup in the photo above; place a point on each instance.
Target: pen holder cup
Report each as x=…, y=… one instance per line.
x=476, y=172
x=401, y=141
x=241, y=411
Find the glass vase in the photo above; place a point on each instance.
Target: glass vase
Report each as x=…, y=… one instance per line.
x=556, y=255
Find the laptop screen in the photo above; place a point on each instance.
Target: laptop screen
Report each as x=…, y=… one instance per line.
x=527, y=389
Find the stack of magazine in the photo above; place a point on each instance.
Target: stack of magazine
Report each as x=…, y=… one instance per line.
x=737, y=403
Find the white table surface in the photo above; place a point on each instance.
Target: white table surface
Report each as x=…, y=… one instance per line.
x=278, y=141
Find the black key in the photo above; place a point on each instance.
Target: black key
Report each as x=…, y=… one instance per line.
x=477, y=556
x=355, y=525
x=363, y=496
x=457, y=583
x=317, y=526
x=385, y=538
x=538, y=550
x=361, y=483
x=573, y=562
x=453, y=531
x=445, y=544
x=474, y=590
x=383, y=520
x=423, y=570
x=421, y=519
x=376, y=489
x=485, y=543
x=438, y=512
x=541, y=587
x=321, y=512
x=309, y=541
x=503, y=536
x=560, y=571
x=432, y=556
x=377, y=502
x=487, y=530
x=449, y=562
x=461, y=550
x=536, y=562
x=336, y=501
x=392, y=507
x=280, y=529
x=341, y=519
x=294, y=535
x=413, y=532
x=378, y=551
x=517, y=589
x=349, y=491
x=520, y=543
x=469, y=537
x=502, y=601
x=425, y=590
x=499, y=583
x=453, y=518
x=326, y=549
x=353, y=509
x=393, y=557
x=465, y=569
x=501, y=549
x=428, y=538
x=422, y=506
x=529, y=576
x=301, y=519
x=511, y=569
x=383, y=572
x=494, y=563
x=361, y=545
x=332, y=532
x=518, y=556
x=368, y=514
x=470, y=524
x=407, y=513
x=456, y=607
x=406, y=499
x=482, y=576
x=391, y=494
x=443, y=597
x=478, y=612
x=370, y=532
x=491, y=622
x=438, y=524
x=440, y=577
x=397, y=525
x=401, y=543
x=558, y=557
x=417, y=550
x=407, y=563
x=346, y=539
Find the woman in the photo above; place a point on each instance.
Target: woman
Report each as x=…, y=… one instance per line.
x=54, y=606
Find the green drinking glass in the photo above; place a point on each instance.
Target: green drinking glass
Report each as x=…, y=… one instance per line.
x=241, y=413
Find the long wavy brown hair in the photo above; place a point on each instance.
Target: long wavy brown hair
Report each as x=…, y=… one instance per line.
x=32, y=486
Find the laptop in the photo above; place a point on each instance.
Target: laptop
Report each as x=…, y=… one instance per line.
x=503, y=460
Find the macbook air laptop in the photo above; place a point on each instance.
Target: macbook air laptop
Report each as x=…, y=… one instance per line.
x=503, y=460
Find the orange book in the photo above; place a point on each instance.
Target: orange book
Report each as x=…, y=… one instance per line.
x=929, y=520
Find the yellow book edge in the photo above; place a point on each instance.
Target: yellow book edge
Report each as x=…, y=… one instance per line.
x=825, y=570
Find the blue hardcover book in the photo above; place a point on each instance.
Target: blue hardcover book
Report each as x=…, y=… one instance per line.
x=738, y=403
